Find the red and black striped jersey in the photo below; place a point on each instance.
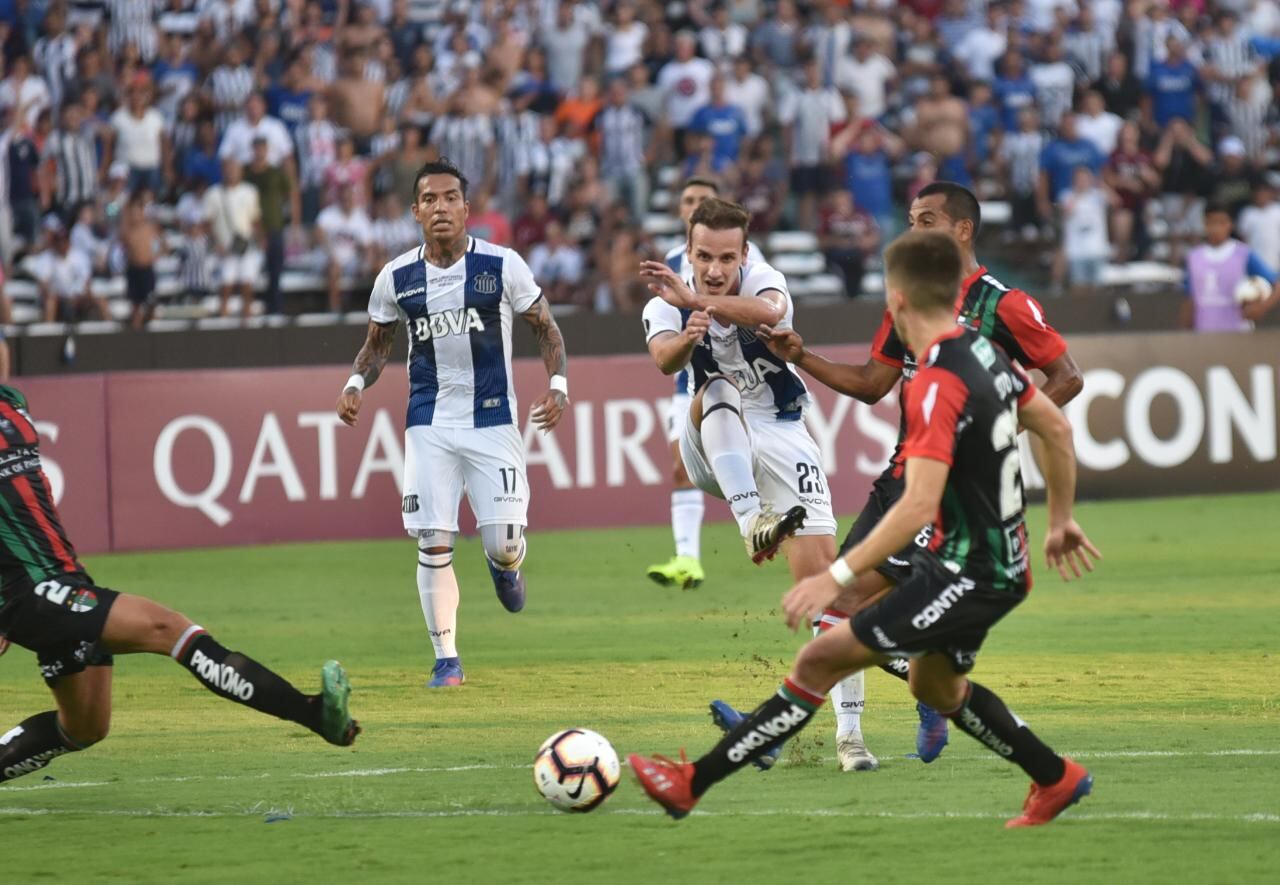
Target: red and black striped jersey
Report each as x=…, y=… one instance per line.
x=961, y=408
x=1009, y=317
x=33, y=544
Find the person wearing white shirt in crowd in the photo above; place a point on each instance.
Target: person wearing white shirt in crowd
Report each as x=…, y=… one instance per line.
x=868, y=74
x=624, y=40
x=1084, y=228
x=723, y=39
x=1259, y=225
x=982, y=47
x=23, y=88
x=394, y=230
x=346, y=236
x=139, y=139
x=686, y=82
x=557, y=265
x=750, y=91
x=1098, y=125
x=808, y=116
x=234, y=214
x=65, y=278
x=1055, y=84
x=237, y=141
x=1263, y=18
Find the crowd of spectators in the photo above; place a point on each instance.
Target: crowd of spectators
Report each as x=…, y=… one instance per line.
x=243, y=137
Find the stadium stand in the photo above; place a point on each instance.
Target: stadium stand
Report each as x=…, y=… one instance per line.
x=584, y=117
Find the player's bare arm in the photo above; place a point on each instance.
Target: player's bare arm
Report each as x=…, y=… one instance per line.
x=868, y=383
x=926, y=481
x=548, y=408
x=1065, y=545
x=672, y=350
x=368, y=366
x=1063, y=380
x=766, y=308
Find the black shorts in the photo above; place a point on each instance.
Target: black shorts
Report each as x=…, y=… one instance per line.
x=140, y=285
x=809, y=179
x=885, y=492
x=62, y=622
x=934, y=610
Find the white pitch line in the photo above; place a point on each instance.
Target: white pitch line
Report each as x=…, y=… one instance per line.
x=447, y=769
x=1140, y=816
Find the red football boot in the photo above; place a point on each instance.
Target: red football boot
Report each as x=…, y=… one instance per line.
x=669, y=783
x=1045, y=803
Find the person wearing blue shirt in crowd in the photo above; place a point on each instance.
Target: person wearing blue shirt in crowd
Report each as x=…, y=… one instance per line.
x=1014, y=90
x=202, y=162
x=1060, y=159
x=724, y=122
x=868, y=175
x=289, y=100
x=984, y=118
x=1173, y=85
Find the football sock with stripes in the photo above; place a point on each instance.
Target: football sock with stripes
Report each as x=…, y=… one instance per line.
x=687, y=507
x=438, y=593
x=772, y=723
x=986, y=718
x=849, y=695
x=239, y=678
x=32, y=744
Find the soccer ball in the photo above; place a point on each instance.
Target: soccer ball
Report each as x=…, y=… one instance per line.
x=576, y=770
x=1252, y=289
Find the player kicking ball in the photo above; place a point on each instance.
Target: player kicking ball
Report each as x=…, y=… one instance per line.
x=456, y=296
x=744, y=439
x=50, y=605
x=963, y=409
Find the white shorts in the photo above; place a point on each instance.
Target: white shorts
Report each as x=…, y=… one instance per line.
x=787, y=466
x=440, y=463
x=680, y=404
x=234, y=269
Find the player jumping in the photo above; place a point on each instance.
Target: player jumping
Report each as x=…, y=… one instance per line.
x=1007, y=316
x=456, y=296
x=963, y=410
x=50, y=605
x=684, y=570
x=744, y=439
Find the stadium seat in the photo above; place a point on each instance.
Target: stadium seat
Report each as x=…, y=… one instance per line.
x=872, y=284
x=1141, y=273
x=791, y=241
x=656, y=224
x=799, y=263
x=996, y=212
x=669, y=176
x=660, y=201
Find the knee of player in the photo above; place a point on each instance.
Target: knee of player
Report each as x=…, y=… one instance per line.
x=504, y=545
x=86, y=732
x=721, y=389
x=942, y=695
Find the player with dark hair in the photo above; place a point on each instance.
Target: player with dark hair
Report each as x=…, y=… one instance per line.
x=457, y=296
x=963, y=409
x=684, y=569
x=1007, y=316
x=50, y=605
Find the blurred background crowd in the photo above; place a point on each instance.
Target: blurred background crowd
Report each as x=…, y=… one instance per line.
x=194, y=154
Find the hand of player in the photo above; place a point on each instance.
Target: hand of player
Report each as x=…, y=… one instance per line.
x=808, y=599
x=697, y=326
x=1068, y=547
x=349, y=406
x=548, y=409
x=667, y=284
x=785, y=344
x=1255, y=310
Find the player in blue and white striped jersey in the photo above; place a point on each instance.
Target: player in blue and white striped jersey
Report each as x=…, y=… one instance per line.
x=684, y=570
x=457, y=296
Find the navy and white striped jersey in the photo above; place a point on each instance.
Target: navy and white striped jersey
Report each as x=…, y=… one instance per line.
x=459, y=323
x=771, y=388
x=678, y=260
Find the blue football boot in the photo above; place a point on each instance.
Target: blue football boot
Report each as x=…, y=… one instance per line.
x=727, y=719
x=446, y=673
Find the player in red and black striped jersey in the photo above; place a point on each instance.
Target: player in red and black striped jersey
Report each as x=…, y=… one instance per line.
x=1009, y=317
x=963, y=410
x=50, y=605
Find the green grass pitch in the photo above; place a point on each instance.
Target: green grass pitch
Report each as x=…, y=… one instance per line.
x=1161, y=672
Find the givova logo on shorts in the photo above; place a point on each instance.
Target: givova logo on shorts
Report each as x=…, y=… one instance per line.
x=459, y=321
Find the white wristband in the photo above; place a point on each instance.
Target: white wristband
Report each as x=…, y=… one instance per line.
x=560, y=383
x=356, y=381
x=840, y=570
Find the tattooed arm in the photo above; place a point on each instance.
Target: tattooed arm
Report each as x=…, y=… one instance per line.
x=368, y=366
x=549, y=408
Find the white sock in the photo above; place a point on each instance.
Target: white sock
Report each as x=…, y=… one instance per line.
x=438, y=593
x=686, y=521
x=729, y=452
x=849, y=695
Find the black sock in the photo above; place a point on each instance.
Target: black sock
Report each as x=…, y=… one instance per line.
x=33, y=744
x=240, y=678
x=772, y=723
x=897, y=667
x=986, y=718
